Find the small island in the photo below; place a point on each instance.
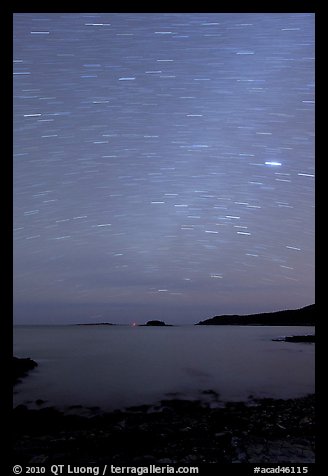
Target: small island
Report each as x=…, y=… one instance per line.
x=156, y=324
x=96, y=324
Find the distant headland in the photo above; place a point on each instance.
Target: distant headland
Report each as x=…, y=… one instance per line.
x=294, y=317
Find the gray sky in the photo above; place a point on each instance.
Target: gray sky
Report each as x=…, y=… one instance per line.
x=163, y=165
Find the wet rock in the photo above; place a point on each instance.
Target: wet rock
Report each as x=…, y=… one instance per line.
x=40, y=402
x=39, y=459
x=139, y=408
x=20, y=368
x=165, y=461
x=147, y=459
x=241, y=457
x=305, y=338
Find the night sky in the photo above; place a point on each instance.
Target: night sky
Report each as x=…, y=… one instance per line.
x=163, y=165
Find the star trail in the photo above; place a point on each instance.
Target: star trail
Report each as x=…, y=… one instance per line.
x=163, y=165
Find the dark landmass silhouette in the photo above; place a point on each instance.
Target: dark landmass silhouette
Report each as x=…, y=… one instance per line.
x=96, y=324
x=156, y=323
x=21, y=367
x=306, y=338
x=294, y=317
x=183, y=432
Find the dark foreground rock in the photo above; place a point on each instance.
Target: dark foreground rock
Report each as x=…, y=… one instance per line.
x=174, y=432
x=21, y=367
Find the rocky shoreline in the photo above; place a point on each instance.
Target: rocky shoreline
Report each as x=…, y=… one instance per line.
x=20, y=368
x=309, y=338
x=173, y=432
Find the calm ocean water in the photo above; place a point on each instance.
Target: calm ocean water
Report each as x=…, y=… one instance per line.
x=118, y=366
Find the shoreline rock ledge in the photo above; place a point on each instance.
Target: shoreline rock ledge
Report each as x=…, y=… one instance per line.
x=20, y=368
x=309, y=338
